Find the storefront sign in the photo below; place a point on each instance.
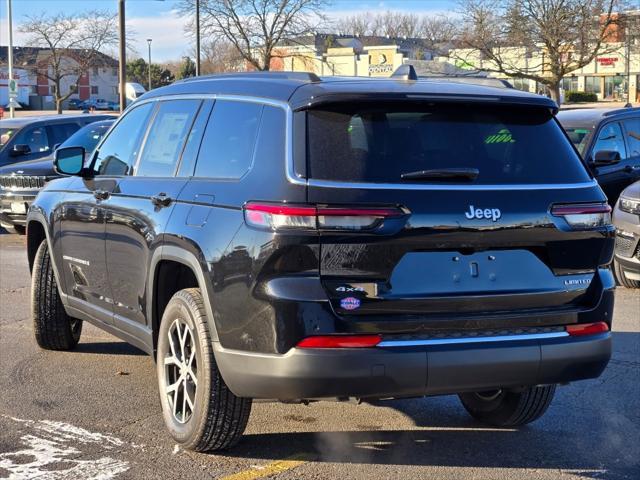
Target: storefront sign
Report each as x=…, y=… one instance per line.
x=607, y=61
x=381, y=63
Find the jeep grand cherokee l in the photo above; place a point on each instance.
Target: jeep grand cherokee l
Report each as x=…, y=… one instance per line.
x=289, y=237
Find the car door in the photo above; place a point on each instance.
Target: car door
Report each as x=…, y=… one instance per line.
x=82, y=216
x=612, y=178
x=140, y=207
x=632, y=134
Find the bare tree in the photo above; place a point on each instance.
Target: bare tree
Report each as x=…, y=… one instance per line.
x=556, y=37
x=357, y=25
x=395, y=24
x=437, y=31
x=256, y=27
x=218, y=56
x=72, y=45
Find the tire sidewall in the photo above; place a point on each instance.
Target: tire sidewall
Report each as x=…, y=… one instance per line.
x=189, y=432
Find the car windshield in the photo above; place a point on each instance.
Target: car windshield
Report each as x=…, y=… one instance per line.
x=6, y=134
x=400, y=142
x=579, y=136
x=87, y=137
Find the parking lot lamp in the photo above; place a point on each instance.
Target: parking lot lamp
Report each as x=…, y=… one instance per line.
x=149, y=40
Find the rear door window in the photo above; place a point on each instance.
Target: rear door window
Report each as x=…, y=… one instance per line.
x=379, y=143
x=632, y=128
x=166, y=138
x=229, y=140
x=59, y=132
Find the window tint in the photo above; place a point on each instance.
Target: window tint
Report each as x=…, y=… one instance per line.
x=378, y=143
x=35, y=137
x=610, y=138
x=194, y=140
x=632, y=126
x=229, y=140
x=61, y=131
x=120, y=149
x=88, y=137
x=166, y=138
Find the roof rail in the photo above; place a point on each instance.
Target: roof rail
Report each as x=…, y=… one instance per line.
x=628, y=108
x=300, y=76
x=405, y=72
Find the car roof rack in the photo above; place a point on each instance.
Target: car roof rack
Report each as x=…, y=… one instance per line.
x=308, y=77
x=405, y=72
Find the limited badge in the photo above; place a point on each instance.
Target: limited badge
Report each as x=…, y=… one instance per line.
x=350, y=303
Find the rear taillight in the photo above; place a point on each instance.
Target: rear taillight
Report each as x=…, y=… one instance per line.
x=310, y=217
x=340, y=341
x=584, y=216
x=587, y=329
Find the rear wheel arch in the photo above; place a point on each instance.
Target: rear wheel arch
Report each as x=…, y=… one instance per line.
x=174, y=269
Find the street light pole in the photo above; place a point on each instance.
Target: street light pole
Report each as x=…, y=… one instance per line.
x=197, y=38
x=123, y=56
x=149, y=40
x=12, y=111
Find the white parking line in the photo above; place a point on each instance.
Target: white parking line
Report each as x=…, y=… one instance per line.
x=52, y=451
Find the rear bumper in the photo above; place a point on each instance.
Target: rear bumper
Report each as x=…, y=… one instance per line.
x=412, y=370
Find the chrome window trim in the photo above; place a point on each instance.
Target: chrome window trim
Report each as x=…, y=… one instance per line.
x=468, y=340
x=414, y=186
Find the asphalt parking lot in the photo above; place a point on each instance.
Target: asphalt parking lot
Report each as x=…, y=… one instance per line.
x=94, y=413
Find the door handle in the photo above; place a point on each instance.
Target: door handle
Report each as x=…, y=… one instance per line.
x=161, y=200
x=101, y=194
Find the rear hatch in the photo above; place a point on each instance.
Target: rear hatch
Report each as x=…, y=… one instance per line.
x=489, y=211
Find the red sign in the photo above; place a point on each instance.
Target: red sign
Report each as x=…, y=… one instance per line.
x=607, y=61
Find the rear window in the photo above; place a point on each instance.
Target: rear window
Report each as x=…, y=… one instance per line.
x=379, y=143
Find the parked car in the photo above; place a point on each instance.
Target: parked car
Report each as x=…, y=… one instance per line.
x=74, y=104
x=282, y=236
x=626, y=218
x=21, y=182
x=31, y=138
x=609, y=141
x=114, y=106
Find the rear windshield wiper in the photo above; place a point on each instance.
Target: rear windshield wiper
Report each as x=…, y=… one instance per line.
x=443, y=174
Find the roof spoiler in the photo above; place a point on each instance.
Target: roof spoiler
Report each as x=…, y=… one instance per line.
x=405, y=72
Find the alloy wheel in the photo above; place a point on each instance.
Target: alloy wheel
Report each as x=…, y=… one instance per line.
x=181, y=369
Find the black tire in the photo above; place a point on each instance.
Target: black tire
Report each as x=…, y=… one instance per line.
x=621, y=278
x=19, y=229
x=53, y=328
x=210, y=417
x=508, y=408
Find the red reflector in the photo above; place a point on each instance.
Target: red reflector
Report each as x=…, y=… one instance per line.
x=340, y=341
x=560, y=210
x=360, y=212
x=587, y=329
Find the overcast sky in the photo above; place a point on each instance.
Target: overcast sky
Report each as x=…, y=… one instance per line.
x=159, y=20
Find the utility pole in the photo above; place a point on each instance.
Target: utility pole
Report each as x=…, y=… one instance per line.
x=123, y=56
x=12, y=111
x=149, y=40
x=197, y=38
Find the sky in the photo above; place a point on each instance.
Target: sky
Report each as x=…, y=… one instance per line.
x=160, y=20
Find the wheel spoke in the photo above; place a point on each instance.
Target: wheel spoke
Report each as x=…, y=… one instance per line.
x=188, y=397
x=172, y=360
x=184, y=399
x=174, y=386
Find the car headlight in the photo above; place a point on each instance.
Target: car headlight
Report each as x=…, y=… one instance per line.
x=630, y=206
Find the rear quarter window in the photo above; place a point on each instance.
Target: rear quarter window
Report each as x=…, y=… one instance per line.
x=378, y=143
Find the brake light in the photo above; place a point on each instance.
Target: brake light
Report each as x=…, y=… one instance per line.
x=580, y=330
x=340, y=341
x=584, y=216
x=311, y=217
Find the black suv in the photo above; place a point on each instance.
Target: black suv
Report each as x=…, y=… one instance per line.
x=282, y=236
x=609, y=141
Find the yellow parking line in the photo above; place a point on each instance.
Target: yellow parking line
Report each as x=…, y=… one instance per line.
x=272, y=468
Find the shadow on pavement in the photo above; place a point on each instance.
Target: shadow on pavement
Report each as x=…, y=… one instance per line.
x=108, y=348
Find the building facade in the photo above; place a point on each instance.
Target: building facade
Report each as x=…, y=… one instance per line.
x=36, y=90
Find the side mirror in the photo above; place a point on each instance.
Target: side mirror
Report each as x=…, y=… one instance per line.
x=20, y=149
x=605, y=157
x=69, y=160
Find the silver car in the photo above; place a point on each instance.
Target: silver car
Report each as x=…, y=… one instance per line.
x=626, y=218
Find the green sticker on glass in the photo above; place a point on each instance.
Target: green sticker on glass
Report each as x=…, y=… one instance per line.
x=503, y=136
